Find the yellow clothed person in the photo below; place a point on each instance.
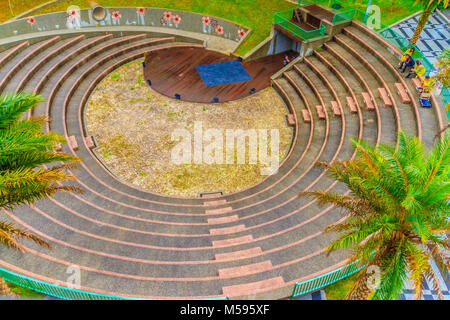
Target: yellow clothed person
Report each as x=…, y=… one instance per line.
x=420, y=70
x=407, y=52
x=428, y=82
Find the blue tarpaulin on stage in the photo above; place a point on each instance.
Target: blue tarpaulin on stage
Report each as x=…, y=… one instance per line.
x=222, y=73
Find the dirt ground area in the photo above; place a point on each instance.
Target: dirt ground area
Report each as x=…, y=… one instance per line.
x=133, y=126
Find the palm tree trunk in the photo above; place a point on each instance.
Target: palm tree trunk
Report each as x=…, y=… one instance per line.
x=360, y=290
x=422, y=22
x=4, y=289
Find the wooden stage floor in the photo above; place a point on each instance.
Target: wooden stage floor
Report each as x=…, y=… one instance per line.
x=172, y=71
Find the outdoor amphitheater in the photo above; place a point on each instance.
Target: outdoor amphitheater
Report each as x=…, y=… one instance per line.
x=257, y=241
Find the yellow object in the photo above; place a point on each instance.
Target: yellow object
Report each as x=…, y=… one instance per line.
x=407, y=52
x=420, y=70
x=428, y=83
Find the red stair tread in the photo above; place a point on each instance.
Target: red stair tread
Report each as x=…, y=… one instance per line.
x=241, y=254
x=226, y=230
x=220, y=210
x=233, y=241
x=214, y=203
x=245, y=270
x=253, y=288
x=223, y=219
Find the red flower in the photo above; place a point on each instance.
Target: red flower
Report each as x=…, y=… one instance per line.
x=176, y=19
x=116, y=15
x=219, y=29
x=73, y=14
x=140, y=10
x=206, y=21
x=31, y=20
x=241, y=33
x=167, y=15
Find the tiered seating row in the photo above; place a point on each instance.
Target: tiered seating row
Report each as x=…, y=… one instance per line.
x=261, y=241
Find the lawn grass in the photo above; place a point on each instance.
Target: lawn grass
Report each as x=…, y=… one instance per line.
x=338, y=290
x=24, y=292
x=391, y=10
x=255, y=14
x=12, y=8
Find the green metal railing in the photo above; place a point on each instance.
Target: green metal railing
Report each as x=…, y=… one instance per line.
x=325, y=279
x=283, y=20
x=445, y=95
x=345, y=12
x=403, y=44
x=63, y=292
x=318, y=33
x=344, y=16
x=395, y=39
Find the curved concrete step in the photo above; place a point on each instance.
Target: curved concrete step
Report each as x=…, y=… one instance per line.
x=257, y=242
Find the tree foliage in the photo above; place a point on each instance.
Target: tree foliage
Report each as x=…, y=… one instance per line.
x=443, y=66
x=428, y=6
x=30, y=167
x=396, y=212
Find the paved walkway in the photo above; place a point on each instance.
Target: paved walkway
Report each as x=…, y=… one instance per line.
x=428, y=293
x=434, y=38
x=317, y=295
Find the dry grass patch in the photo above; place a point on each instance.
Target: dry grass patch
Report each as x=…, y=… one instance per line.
x=133, y=126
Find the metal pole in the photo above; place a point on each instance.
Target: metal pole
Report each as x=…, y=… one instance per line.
x=367, y=10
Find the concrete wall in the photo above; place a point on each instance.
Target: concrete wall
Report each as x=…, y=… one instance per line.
x=153, y=17
x=261, y=50
x=275, y=43
x=278, y=42
x=335, y=29
x=32, y=11
x=283, y=43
